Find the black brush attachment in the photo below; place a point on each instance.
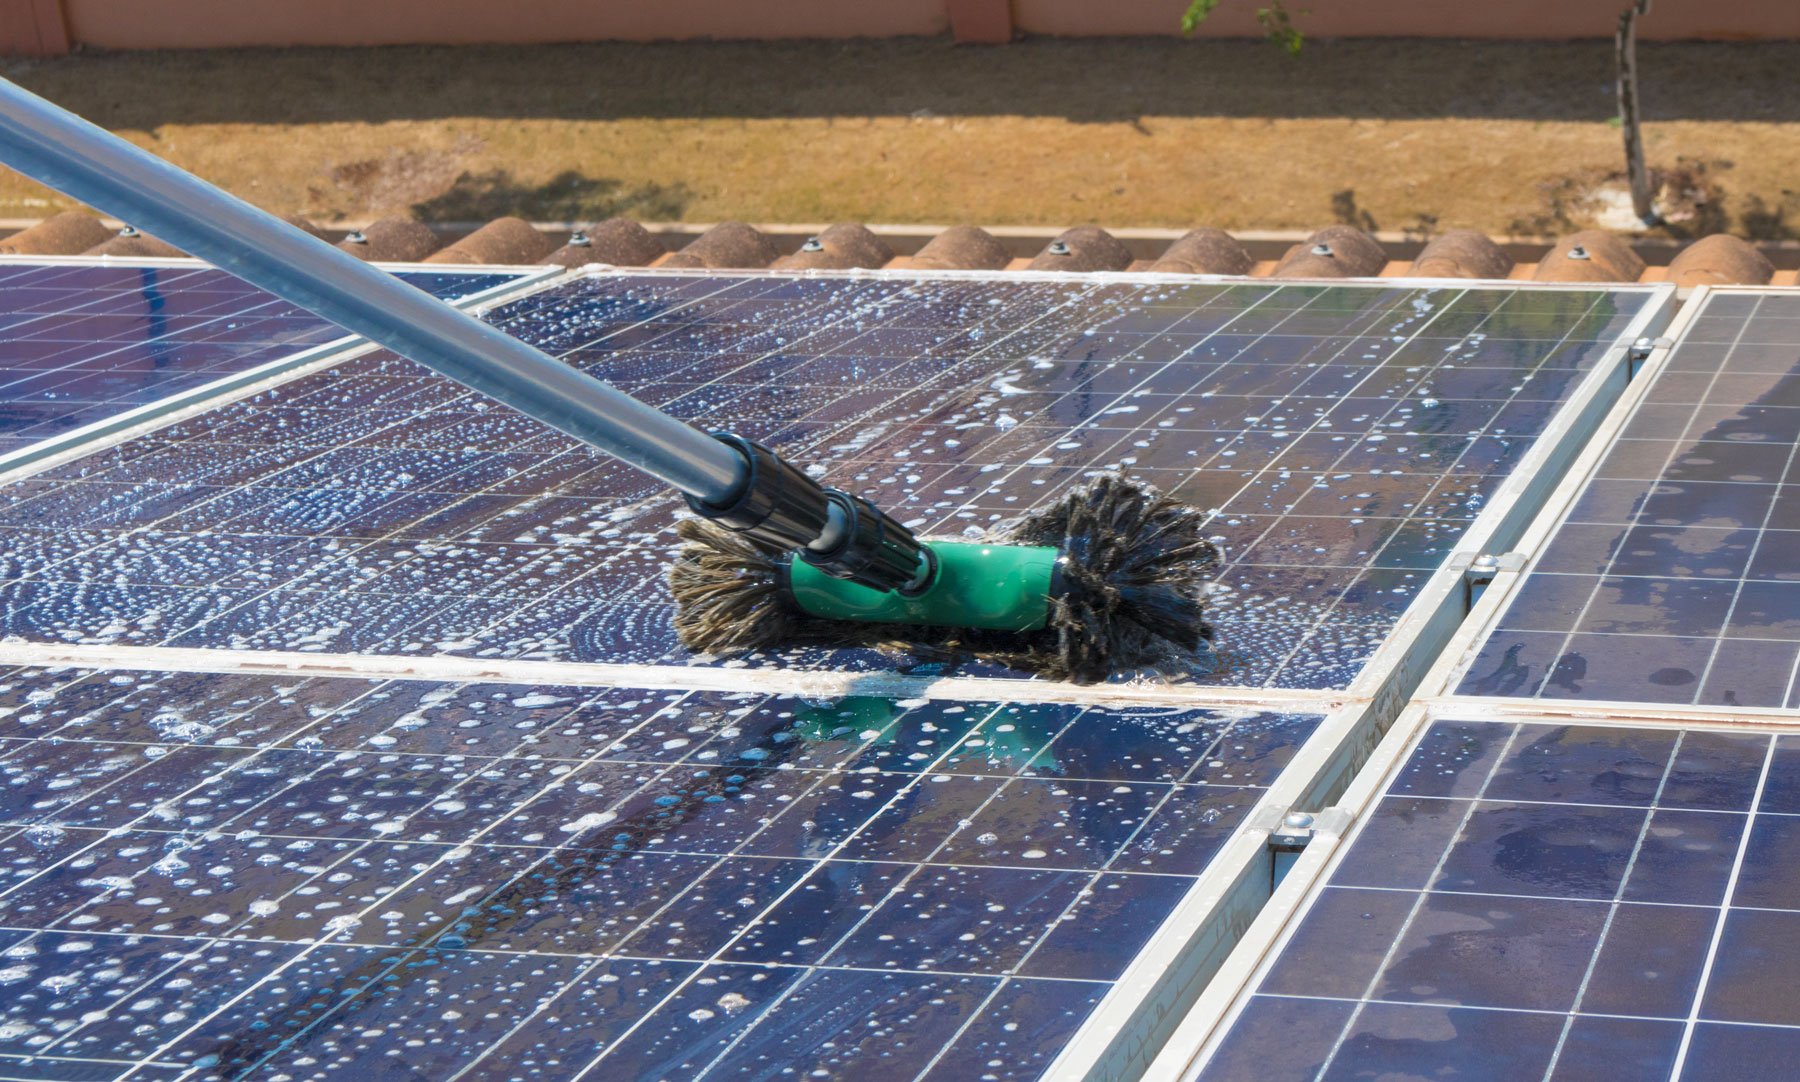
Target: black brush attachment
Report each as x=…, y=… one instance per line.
x=1128, y=593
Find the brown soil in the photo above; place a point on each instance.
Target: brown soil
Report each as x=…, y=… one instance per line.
x=1397, y=135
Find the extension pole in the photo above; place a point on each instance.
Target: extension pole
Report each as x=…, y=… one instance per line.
x=739, y=484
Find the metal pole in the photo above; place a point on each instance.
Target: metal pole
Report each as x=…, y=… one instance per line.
x=58, y=148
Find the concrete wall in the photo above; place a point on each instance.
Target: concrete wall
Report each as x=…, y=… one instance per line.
x=38, y=26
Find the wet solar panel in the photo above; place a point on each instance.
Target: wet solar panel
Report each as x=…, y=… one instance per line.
x=1346, y=435
x=1548, y=901
x=81, y=343
x=1674, y=578
x=217, y=874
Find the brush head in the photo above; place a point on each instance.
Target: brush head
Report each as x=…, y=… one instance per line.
x=1132, y=578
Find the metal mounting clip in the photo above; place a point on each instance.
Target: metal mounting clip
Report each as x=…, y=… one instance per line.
x=1640, y=351
x=1482, y=570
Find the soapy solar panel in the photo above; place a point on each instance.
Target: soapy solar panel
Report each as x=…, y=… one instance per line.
x=1676, y=576
x=1346, y=434
x=1545, y=901
x=215, y=873
x=85, y=342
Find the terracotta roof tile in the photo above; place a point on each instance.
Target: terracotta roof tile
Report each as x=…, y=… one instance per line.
x=1337, y=251
x=728, y=245
x=1084, y=248
x=129, y=243
x=68, y=233
x=1204, y=251
x=1334, y=252
x=1591, y=255
x=399, y=240
x=844, y=246
x=962, y=247
x=619, y=242
x=1718, y=260
x=501, y=241
x=1462, y=253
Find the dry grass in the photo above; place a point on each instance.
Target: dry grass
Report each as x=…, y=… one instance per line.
x=1399, y=135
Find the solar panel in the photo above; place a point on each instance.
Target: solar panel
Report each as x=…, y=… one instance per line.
x=226, y=872
x=1531, y=900
x=81, y=342
x=1672, y=579
x=1347, y=435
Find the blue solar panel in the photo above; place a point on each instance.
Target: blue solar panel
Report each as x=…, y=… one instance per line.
x=1674, y=578
x=1347, y=435
x=223, y=873
x=82, y=343
x=1547, y=901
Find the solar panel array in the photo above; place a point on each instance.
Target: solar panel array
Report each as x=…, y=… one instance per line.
x=80, y=343
x=1549, y=901
x=1346, y=434
x=1674, y=579
x=205, y=875
x=229, y=872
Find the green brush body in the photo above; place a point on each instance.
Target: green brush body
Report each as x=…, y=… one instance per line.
x=992, y=587
x=1110, y=579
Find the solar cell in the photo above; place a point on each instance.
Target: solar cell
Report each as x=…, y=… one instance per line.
x=1347, y=435
x=217, y=873
x=84, y=342
x=1673, y=577
x=1529, y=900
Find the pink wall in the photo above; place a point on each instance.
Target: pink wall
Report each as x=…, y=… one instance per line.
x=32, y=28
x=1718, y=20
x=37, y=26
x=164, y=24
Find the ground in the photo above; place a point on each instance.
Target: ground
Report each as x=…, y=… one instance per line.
x=1394, y=135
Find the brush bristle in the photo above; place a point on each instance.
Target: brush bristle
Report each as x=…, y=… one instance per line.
x=1134, y=572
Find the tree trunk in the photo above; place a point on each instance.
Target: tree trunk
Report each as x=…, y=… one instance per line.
x=1625, y=45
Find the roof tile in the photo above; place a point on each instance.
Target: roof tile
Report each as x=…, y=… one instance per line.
x=1337, y=251
x=844, y=246
x=128, y=243
x=501, y=241
x=1591, y=255
x=1084, y=248
x=726, y=246
x=1204, y=251
x=1461, y=253
x=1720, y=260
x=398, y=240
x=68, y=233
x=962, y=247
x=619, y=242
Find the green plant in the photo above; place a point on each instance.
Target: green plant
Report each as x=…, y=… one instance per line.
x=1278, y=26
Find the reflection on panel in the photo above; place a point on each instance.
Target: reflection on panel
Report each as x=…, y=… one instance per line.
x=79, y=344
x=1676, y=577
x=227, y=872
x=1345, y=435
x=1548, y=901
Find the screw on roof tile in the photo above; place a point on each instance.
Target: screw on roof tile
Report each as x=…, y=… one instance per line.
x=128, y=231
x=355, y=237
x=1323, y=249
x=1058, y=247
x=578, y=239
x=1578, y=252
x=813, y=244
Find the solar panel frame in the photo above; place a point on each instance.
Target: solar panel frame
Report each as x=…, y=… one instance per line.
x=1126, y=1029
x=122, y=426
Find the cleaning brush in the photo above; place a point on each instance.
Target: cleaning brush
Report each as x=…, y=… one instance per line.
x=1111, y=578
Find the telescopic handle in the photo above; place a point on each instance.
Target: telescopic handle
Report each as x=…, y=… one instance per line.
x=58, y=148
